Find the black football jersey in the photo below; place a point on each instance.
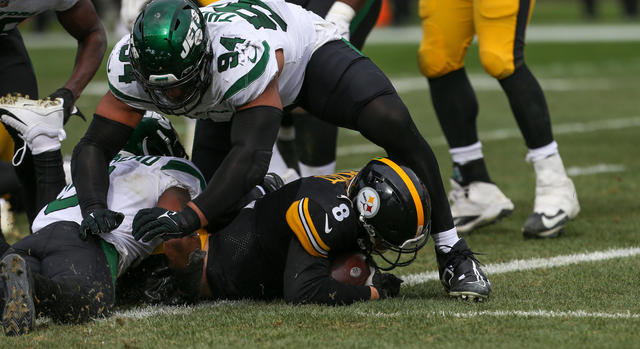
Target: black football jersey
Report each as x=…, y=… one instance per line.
x=248, y=258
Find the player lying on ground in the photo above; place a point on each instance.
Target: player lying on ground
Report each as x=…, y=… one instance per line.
x=284, y=244
x=239, y=63
x=69, y=276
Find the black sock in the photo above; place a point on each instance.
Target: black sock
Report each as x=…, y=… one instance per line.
x=472, y=171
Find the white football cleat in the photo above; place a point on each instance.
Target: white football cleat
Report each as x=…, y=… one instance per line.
x=38, y=122
x=556, y=200
x=477, y=204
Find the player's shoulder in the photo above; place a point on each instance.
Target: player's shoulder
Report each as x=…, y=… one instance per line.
x=322, y=224
x=244, y=63
x=122, y=82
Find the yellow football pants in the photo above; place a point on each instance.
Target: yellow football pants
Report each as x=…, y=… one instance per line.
x=448, y=26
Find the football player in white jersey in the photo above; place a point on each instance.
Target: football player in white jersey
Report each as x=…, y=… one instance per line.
x=71, y=277
x=239, y=63
x=81, y=21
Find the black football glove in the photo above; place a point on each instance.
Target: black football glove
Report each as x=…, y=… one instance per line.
x=155, y=222
x=387, y=284
x=68, y=103
x=100, y=221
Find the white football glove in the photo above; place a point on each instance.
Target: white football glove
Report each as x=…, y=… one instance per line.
x=341, y=15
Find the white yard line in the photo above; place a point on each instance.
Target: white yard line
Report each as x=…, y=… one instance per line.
x=483, y=82
x=595, y=169
x=544, y=314
x=510, y=313
x=535, y=33
x=508, y=133
x=533, y=263
x=416, y=279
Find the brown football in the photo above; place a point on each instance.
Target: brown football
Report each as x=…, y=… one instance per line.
x=350, y=268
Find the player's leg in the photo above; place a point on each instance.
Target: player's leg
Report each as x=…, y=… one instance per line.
x=316, y=140
x=357, y=95
x=17, y=76
x=72, y=279
x=501, y=37
x=447, y=28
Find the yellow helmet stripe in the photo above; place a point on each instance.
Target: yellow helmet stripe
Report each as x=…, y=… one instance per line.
x=412, y=189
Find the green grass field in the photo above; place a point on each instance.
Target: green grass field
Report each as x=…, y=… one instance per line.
x=579, y=290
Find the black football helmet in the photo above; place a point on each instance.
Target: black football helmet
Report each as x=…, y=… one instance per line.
x=395, y=211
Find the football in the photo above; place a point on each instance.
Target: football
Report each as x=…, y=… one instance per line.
x=350, y=268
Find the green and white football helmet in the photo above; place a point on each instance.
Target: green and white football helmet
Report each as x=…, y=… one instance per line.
x=155, y=135
x=171, y=54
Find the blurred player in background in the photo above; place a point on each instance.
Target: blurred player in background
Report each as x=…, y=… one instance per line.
x=71, y=277
x=80, y=20
x=448, y=28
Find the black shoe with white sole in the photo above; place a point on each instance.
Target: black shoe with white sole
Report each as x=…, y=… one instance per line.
x=460, y=273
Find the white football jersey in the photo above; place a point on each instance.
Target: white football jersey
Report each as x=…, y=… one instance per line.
x=12, y=12
x=244, y=38
x=135, y=182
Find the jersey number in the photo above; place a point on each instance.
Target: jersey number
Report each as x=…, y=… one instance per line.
x=127, y=77
x=255, y=12
x=340, y=212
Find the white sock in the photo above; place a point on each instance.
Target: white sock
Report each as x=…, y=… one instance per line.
x=543, y=152
x=462, y=155
x=446, y=239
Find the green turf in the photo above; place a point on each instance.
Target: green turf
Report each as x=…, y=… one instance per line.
x=603, y=77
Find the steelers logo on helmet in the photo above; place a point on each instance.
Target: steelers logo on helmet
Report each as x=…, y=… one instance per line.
x=368, y=202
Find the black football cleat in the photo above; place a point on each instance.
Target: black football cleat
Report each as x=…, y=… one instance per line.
x=461, y=275
x=19, y=313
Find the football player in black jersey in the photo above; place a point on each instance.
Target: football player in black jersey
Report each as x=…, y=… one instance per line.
x=283, y=244
x=81, y=21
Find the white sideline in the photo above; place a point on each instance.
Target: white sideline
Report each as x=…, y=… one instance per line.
x=508, y=133
x=533, y=263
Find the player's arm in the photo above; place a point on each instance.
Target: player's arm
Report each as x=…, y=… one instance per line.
x=82, y=22
x=254, y=128
x=108, y=132
x=307, y=279
x=318, y=233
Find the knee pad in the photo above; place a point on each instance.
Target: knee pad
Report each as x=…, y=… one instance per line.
x=432, y=58
x=497, y=65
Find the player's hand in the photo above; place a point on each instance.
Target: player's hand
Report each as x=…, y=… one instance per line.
x=155, y=222
x=341, y=15
x=387, y=284
x=100, y=221
x=67, y=103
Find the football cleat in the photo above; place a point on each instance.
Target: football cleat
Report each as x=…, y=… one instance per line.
x=556, y=200
x=32, y=119
x=477, y=204
x=19, y=314
x=460, y=273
